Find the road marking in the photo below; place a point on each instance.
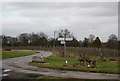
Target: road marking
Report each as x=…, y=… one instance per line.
x=29, y=61
x=6, y=70
x=5, y=75
x=15, y=62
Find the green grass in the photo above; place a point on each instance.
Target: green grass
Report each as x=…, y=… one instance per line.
x=12, y=54
x=58, y=62
x=49, y=78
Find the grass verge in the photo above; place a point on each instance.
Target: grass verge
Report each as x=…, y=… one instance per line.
x=55, y=62
x=49, y=78
x=12, y=54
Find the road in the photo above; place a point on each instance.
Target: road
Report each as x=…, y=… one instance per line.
x=20, y=66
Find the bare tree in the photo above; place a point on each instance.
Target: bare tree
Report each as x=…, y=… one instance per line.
x=23, y=39
x=91, y=38
x=113, y=37
x=65, y=33
x=112, y=42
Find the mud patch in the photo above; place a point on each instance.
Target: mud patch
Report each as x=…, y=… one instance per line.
x=17, y=75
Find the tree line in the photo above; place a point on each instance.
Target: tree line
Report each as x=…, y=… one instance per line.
x=41, y=39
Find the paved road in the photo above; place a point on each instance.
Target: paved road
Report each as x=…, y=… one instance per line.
x=20, y=65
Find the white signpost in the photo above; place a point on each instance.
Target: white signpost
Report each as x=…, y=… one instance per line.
x=63, y=41
x=69, y=39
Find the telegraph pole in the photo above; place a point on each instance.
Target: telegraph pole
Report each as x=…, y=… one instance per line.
x=54, y=38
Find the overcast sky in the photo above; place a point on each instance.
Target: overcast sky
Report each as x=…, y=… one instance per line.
x=81, y=18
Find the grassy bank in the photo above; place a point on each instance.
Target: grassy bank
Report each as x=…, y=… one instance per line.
x=12, y=54
x=48, y=78
x=55, y=62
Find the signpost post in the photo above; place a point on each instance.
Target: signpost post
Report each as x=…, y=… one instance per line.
x=63, y=41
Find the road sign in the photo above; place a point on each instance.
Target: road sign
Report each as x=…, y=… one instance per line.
x=61, y=39
x=66, y=39
x=62, y=42
x=69, y=39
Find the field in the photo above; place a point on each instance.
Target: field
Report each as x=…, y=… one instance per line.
x=12, y=54
x=55, y=62
x=73, y=51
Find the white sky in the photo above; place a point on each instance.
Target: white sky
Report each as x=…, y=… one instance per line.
x=81, y=18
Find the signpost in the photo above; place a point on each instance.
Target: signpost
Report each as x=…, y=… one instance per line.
x=63, y=41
